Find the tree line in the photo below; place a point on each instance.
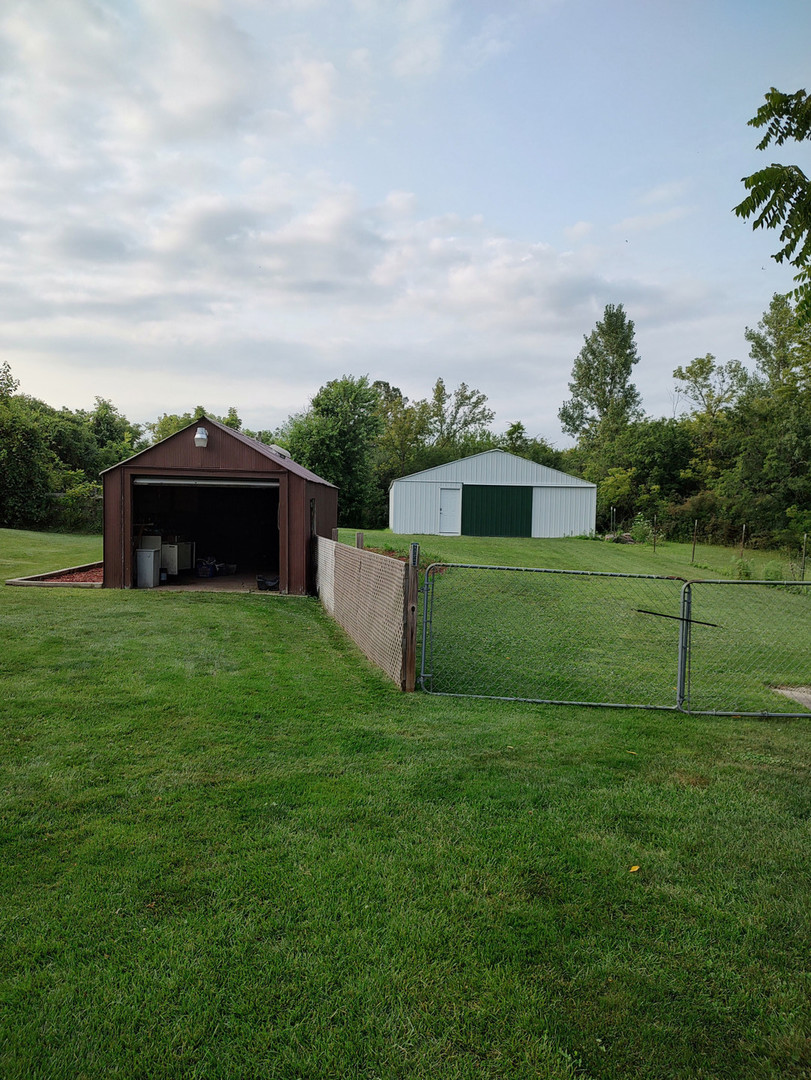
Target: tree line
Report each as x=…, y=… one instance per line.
x=739, y=453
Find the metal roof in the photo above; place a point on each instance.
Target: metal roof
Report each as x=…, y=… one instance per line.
x=496, y=466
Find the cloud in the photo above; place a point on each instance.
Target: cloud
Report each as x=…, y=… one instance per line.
x=494, y=39
x=214, y=192
x=650, y=222
x=578, y=231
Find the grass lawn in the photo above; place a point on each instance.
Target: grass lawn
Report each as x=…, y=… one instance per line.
x=711, y=560
x=230, y=848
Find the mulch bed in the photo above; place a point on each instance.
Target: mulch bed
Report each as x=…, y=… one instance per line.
x=93, y=576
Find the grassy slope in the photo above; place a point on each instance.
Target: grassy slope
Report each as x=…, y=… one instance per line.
x=573, y=554
x=230, y=848
x=26, y=553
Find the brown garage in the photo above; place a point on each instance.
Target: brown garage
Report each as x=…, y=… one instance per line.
x=212, y=493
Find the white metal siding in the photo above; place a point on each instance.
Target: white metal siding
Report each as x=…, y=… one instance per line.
x=563, y=511
x=562, y=505
x=414, y=508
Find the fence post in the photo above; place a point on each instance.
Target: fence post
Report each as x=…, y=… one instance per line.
x=335, y=535
x=359, y=540
x=684, y=643
x=412, y=574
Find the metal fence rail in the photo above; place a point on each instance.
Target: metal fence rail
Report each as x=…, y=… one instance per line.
x=618, y=640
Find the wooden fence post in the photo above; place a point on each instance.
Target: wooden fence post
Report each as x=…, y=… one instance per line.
x=359, y=540
x=335, y=535
x=410, y=590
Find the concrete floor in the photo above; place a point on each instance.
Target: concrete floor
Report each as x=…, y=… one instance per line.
x=242, y=582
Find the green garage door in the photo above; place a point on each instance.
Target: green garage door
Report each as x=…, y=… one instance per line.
x=496, y=511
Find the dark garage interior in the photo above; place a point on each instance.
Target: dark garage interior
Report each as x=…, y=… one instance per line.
x=233, y=523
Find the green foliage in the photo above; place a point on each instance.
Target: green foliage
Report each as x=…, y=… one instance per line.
x=170, y=423
x=26, y=466
x=516, y=441
x=615, y=490
x=781, y=349
x=780, y=195
x=336, y=437
x=740, y=568
x=458, y=419
x=51, y=459
x=8, y=384
x=603, y=397
x=641, y=529
x=711, y=387
x=79, y=509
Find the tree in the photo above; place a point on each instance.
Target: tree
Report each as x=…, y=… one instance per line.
x=169, y=423
x=336, y=438
x=26, y=466
x=516, y=441
x=780, y=195
x=460, y=418
x=8, y=384
x=781, y=348
x=711, y=387
x=603, y=397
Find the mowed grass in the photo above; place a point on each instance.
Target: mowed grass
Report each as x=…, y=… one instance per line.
x=570, y=553
x=231, y=849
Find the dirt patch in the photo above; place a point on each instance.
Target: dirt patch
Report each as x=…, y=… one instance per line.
x=388, y=554
x=800, y=694
x=691, y=779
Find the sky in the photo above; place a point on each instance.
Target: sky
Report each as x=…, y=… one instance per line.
x=231, y=202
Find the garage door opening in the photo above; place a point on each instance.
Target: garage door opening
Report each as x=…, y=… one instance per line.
x=209, y=528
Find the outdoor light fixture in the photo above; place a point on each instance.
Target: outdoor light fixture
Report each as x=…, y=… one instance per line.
x=201, y=437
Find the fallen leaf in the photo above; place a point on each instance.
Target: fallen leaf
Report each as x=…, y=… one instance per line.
x=632, y=752
x=633, y=869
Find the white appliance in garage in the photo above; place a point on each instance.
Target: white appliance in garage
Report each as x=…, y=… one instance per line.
x=148, y=567
x=177, y=557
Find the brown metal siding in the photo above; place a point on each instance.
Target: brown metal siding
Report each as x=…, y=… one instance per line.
x=113, y=532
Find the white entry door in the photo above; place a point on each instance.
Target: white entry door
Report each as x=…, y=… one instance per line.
x=450, y=511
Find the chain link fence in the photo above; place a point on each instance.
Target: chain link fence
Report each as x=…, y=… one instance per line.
x=747, y=647
x=623, y=640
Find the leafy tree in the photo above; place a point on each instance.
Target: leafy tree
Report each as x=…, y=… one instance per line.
x=458, y=419
x=26, y=466
x=169, y=423
x=781, y=348
x=603, y=397
x=516, y=441
x=405, y=433
x=336, y=439
x=115, y=437
x=780, y=195
x=711, y=387
x=616, y=490
x=8, y=384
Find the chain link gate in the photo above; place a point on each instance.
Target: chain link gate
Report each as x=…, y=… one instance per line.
x=615, y=640
x=746, y=648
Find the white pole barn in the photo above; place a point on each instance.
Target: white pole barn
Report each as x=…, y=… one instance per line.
x=492, y=494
